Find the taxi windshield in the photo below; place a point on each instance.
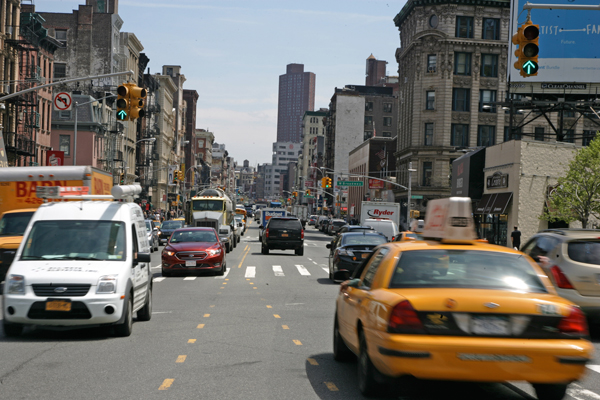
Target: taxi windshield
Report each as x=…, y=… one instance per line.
x=465, y=269
x=172, y=224
x=75, y=240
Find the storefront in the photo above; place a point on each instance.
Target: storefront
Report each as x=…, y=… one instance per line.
x=490, y=213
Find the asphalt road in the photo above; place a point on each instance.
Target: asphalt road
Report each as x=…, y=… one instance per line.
x=263, y=331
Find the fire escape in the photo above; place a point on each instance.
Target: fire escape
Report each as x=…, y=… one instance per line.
x=22, y=142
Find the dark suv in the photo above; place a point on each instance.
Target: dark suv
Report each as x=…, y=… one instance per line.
x=283, y=234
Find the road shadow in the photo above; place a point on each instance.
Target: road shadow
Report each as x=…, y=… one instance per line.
x=326, y=281
x=332, y=380
x=41, y=335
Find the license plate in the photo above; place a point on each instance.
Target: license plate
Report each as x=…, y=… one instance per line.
x=284, y=235
x=57, y=305
x=489, y=326
x=494, y=357
x=365, y=255
x=190, y=263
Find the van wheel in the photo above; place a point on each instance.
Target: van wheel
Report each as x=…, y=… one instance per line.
x=265, y=249
x=235, y=242
x=124, y=329
x=12, y=330
x=145, y=313
x=228, y=248
x=300, y=251
x=548, y=391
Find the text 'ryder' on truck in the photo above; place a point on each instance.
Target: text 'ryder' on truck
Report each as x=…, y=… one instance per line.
x=18, y=200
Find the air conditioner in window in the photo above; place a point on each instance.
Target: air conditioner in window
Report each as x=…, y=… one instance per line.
x=431, y=70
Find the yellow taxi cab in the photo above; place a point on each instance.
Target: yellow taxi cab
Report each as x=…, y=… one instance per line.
x=407, y=235
x=450, y=307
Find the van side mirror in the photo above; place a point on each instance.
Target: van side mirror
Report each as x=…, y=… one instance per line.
x=141, y=258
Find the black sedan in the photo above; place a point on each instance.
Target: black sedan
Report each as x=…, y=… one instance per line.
x=349, y=249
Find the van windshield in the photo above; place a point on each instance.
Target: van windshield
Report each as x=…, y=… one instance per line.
x=76, y=240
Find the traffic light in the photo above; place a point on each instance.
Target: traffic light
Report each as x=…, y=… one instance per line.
x=180, y=175
x=308, y=192
x=136, y=102
x=123, y=102
x=527, y=40
x=327, y=183
x=121, y=178
x=175, y=176
x=323, y=182
x=295, y=194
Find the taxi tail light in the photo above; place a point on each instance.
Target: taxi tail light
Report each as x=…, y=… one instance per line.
x=574, y=324
x=404, y=319
x=560, y=278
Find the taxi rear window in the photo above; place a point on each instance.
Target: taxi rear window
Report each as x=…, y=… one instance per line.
x=465, y=269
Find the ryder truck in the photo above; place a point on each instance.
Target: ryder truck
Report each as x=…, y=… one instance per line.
x=18, y=200
x=376, y=209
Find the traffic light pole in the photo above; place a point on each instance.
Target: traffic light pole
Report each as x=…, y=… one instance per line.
x=531, y=6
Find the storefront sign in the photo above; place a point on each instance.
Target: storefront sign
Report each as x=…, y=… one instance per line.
x=376, y=184
x=498, y=180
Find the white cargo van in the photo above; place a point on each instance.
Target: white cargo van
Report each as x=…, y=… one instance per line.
x=384, y=226
x=82, y=263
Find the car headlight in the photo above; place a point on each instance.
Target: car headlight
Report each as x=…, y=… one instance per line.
x=16, y=284
x=343, y=252
x=169, y=253
x=214, y=252
x=107, y=284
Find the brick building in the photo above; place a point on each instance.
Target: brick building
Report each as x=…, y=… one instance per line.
x=296, y=95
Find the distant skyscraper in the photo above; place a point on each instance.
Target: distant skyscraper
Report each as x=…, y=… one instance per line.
x=296, y=95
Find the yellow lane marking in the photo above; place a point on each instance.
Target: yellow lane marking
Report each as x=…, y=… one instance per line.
x=212, y=306
x=285, y=327
x=181, y=359
x=251, y=283
x=246, y=248
x=226, y=279
x=312, y=361
x=224, y=283
x=247, y=279
x=276, y=316
x=222, y=287
x=269, y=307
x=218, y=292
x=206, y=315
x=297, y=342
x=166, y=384
x=331, y=386
x=200, y=326
x=254, y=287
x=243, y=258
x=191, y=340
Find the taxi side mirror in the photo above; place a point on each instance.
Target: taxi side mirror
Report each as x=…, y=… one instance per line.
x=354, y=283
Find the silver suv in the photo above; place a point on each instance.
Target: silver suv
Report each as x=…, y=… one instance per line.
x=571, y=258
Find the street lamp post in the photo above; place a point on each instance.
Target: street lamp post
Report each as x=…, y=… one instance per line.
x=75, y=125
x=410, y=171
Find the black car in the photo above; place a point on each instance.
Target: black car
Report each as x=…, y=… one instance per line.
x=349, y=249
x=167, y=228
x=354, y=228
x=283, y=233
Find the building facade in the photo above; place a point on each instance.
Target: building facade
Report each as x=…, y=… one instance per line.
x=296, y=96
x=313, y=125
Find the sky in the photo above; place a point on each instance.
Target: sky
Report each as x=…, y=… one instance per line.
x=232, y=53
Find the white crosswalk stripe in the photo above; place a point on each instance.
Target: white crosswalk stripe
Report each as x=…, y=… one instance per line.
x=277, y=270
x=325, y=269
x=303, y=270
x=250, y=272
x=159, y=279
x=595, y=368
x=224, y=275
x=190, y=278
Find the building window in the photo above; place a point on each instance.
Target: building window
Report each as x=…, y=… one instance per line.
x=368, y=106
x=387, y=121
x=486, y=135
x=491, y=29
x=460, y=99
x=60, y=70
x=368, y=135
x=427, y=173
x=65, y=144
x=489, y=65
x=487, y=96
x=431, y=63
x=569, y=136
x=464, y=27
x=429, y=134
x=368, y=120
x=539, y=134
x=61, y=35
x=460, y=135
x=430, y=101
x=462, y=63
x=516, y=134
x=387, y=107
x=387, y=134
x=588, y=136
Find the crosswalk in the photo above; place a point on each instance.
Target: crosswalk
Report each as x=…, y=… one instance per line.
x=275, y=270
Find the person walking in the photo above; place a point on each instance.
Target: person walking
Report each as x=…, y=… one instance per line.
x=515, y=236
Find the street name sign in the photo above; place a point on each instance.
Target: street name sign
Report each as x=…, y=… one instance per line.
x=350, y=183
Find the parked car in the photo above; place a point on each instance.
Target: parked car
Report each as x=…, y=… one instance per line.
x=193, y=250
x=571, y=258
x=283, y=233
x=152, y=231
x=312, y=220
x=334, y=226
x=349, y=249
x=167, y=228
x=385, y=226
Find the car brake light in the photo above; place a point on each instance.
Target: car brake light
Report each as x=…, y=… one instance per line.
x=393, y=238
x=302, y=234
x=560, y=278
x=404, y=319
x=574, y=323
x=266, y=233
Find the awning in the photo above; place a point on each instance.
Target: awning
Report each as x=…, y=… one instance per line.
x=495, y=203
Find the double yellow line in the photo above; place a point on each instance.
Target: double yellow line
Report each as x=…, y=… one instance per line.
x=247, y=250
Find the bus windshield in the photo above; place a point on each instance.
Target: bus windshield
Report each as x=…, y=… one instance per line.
x=207, y=205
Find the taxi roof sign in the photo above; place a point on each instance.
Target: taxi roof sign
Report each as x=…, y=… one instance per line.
x=450, y=220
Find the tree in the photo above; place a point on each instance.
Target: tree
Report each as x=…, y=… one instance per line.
x=577, y=195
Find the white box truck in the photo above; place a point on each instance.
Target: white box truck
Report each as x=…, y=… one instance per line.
x=377, y=209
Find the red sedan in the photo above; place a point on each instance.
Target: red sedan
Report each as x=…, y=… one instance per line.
x=193, y=249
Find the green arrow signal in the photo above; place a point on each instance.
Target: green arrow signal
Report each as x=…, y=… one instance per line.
x=530, y=67
x=121, y=115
